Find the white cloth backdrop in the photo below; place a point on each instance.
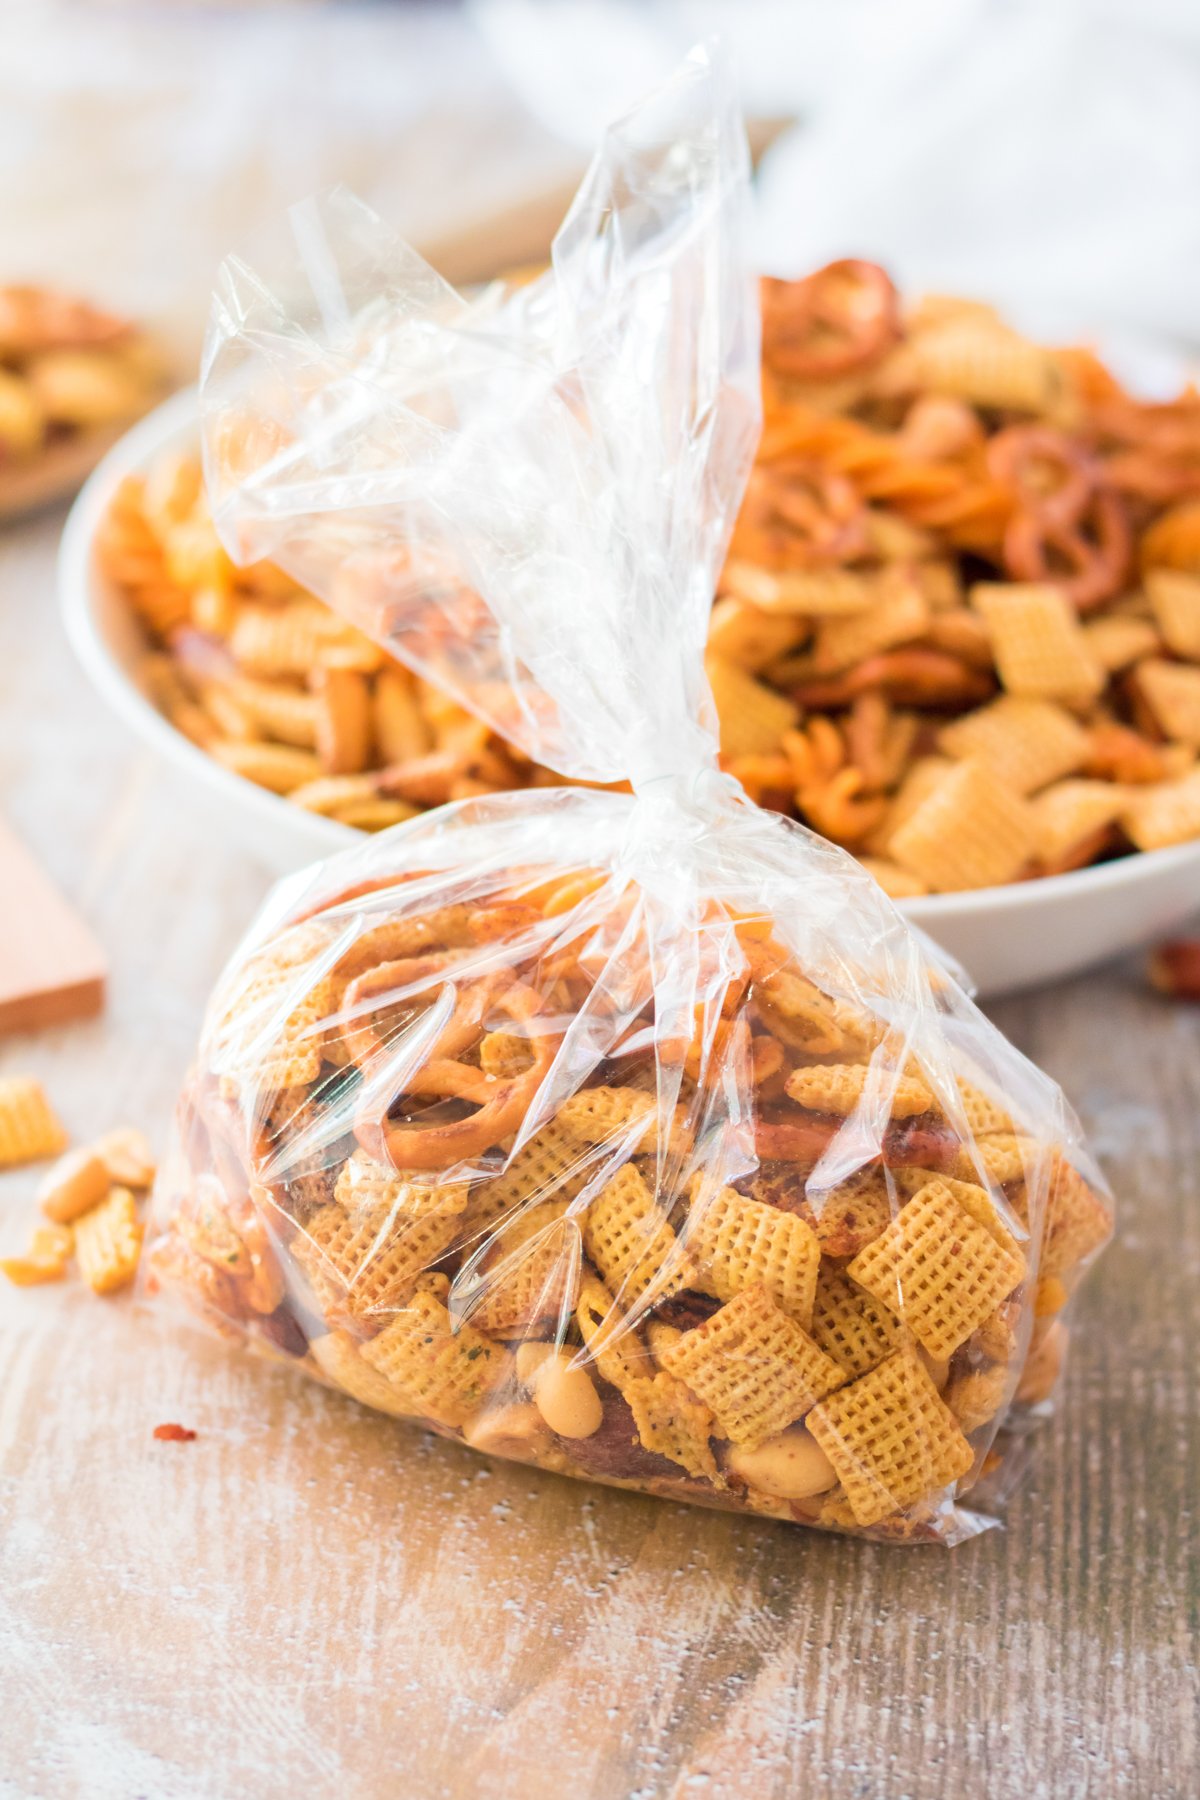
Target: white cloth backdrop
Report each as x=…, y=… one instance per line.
x=140, y=142
x=1041, y=153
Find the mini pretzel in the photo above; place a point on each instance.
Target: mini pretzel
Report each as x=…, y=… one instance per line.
x=439, y=1146
x=1024, y=456
x=1096, y=550
x=841, y=318
x=1074, y=520
x=796, y=510
x=502, y=1103
x=410, y=977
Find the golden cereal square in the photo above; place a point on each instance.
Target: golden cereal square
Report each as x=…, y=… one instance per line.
x=750, y=637
x=293, y=641
x=939, y=1269
x=555, y=1163
x=611, y=1342
x=901, y=614
x=1167, y=813
x=365, y=1186
x=628, y=1239
x=810, y=593
x=441, y=1374
x=108, y=1242
x=1078, y=1222
x=1038, y=642
x=673, y=1423
x=270, y=1021
x=339, y=1357
x=280, y=768
x=1116, y=641
x=981, y=1112
x=362, y=1266
x=530, y=1274
x=604, y=1115
x=29, y=1126
x=978, y=1202
x=890, y=1438
x=1002, y=1157
x=920, y=780
x=975, y=358
x=849, y=1216
x=839, y=1087
x=739, y=1243
x=755, y=1369
x=802, y=1016
x=1026, y=743
x=1071, y=812
x=753, y=717
x=1172, y=692
x=970, y=832
x=1175, y=597
x=897, y=883
x=850, y=1325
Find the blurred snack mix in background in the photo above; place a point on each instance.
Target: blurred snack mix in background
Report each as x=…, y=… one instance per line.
x=71, y=378
x=958, y=631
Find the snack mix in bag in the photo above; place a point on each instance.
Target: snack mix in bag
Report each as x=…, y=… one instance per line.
x=630, y=1135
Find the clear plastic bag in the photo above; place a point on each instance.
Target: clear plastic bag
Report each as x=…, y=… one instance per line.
x=629, y=1134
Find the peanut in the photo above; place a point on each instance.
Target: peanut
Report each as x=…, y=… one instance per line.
x=790, y=1466
x=517, y=1431
x=78, y=1181
x=566, y=1397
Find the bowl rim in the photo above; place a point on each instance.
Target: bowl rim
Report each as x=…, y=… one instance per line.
x=78, y=578
x=77, y=583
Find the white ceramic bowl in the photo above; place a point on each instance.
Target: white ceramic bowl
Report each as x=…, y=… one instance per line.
x=1006, y=938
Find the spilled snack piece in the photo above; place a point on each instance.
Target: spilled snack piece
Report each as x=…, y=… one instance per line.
x=1174, y=968
x=78, y=1181
x=126, y=1154
x=34, y=1268
x=94, y=1182
x=29, y=1127
x=174, y=1434
x=620, y=1128
x=108, y=1241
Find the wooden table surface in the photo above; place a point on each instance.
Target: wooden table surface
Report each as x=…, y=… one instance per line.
x=312, y=1600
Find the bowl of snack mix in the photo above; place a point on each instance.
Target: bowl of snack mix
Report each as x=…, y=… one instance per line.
x=72, y=378
x=957, y=632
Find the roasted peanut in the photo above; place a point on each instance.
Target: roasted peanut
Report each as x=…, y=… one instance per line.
x=78, y=1180
x=517, y=1431
x=566, y=1397
x=791, y=1466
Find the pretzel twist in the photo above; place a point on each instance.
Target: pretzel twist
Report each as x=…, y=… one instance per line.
x=839, y=319
x=1066, y=527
